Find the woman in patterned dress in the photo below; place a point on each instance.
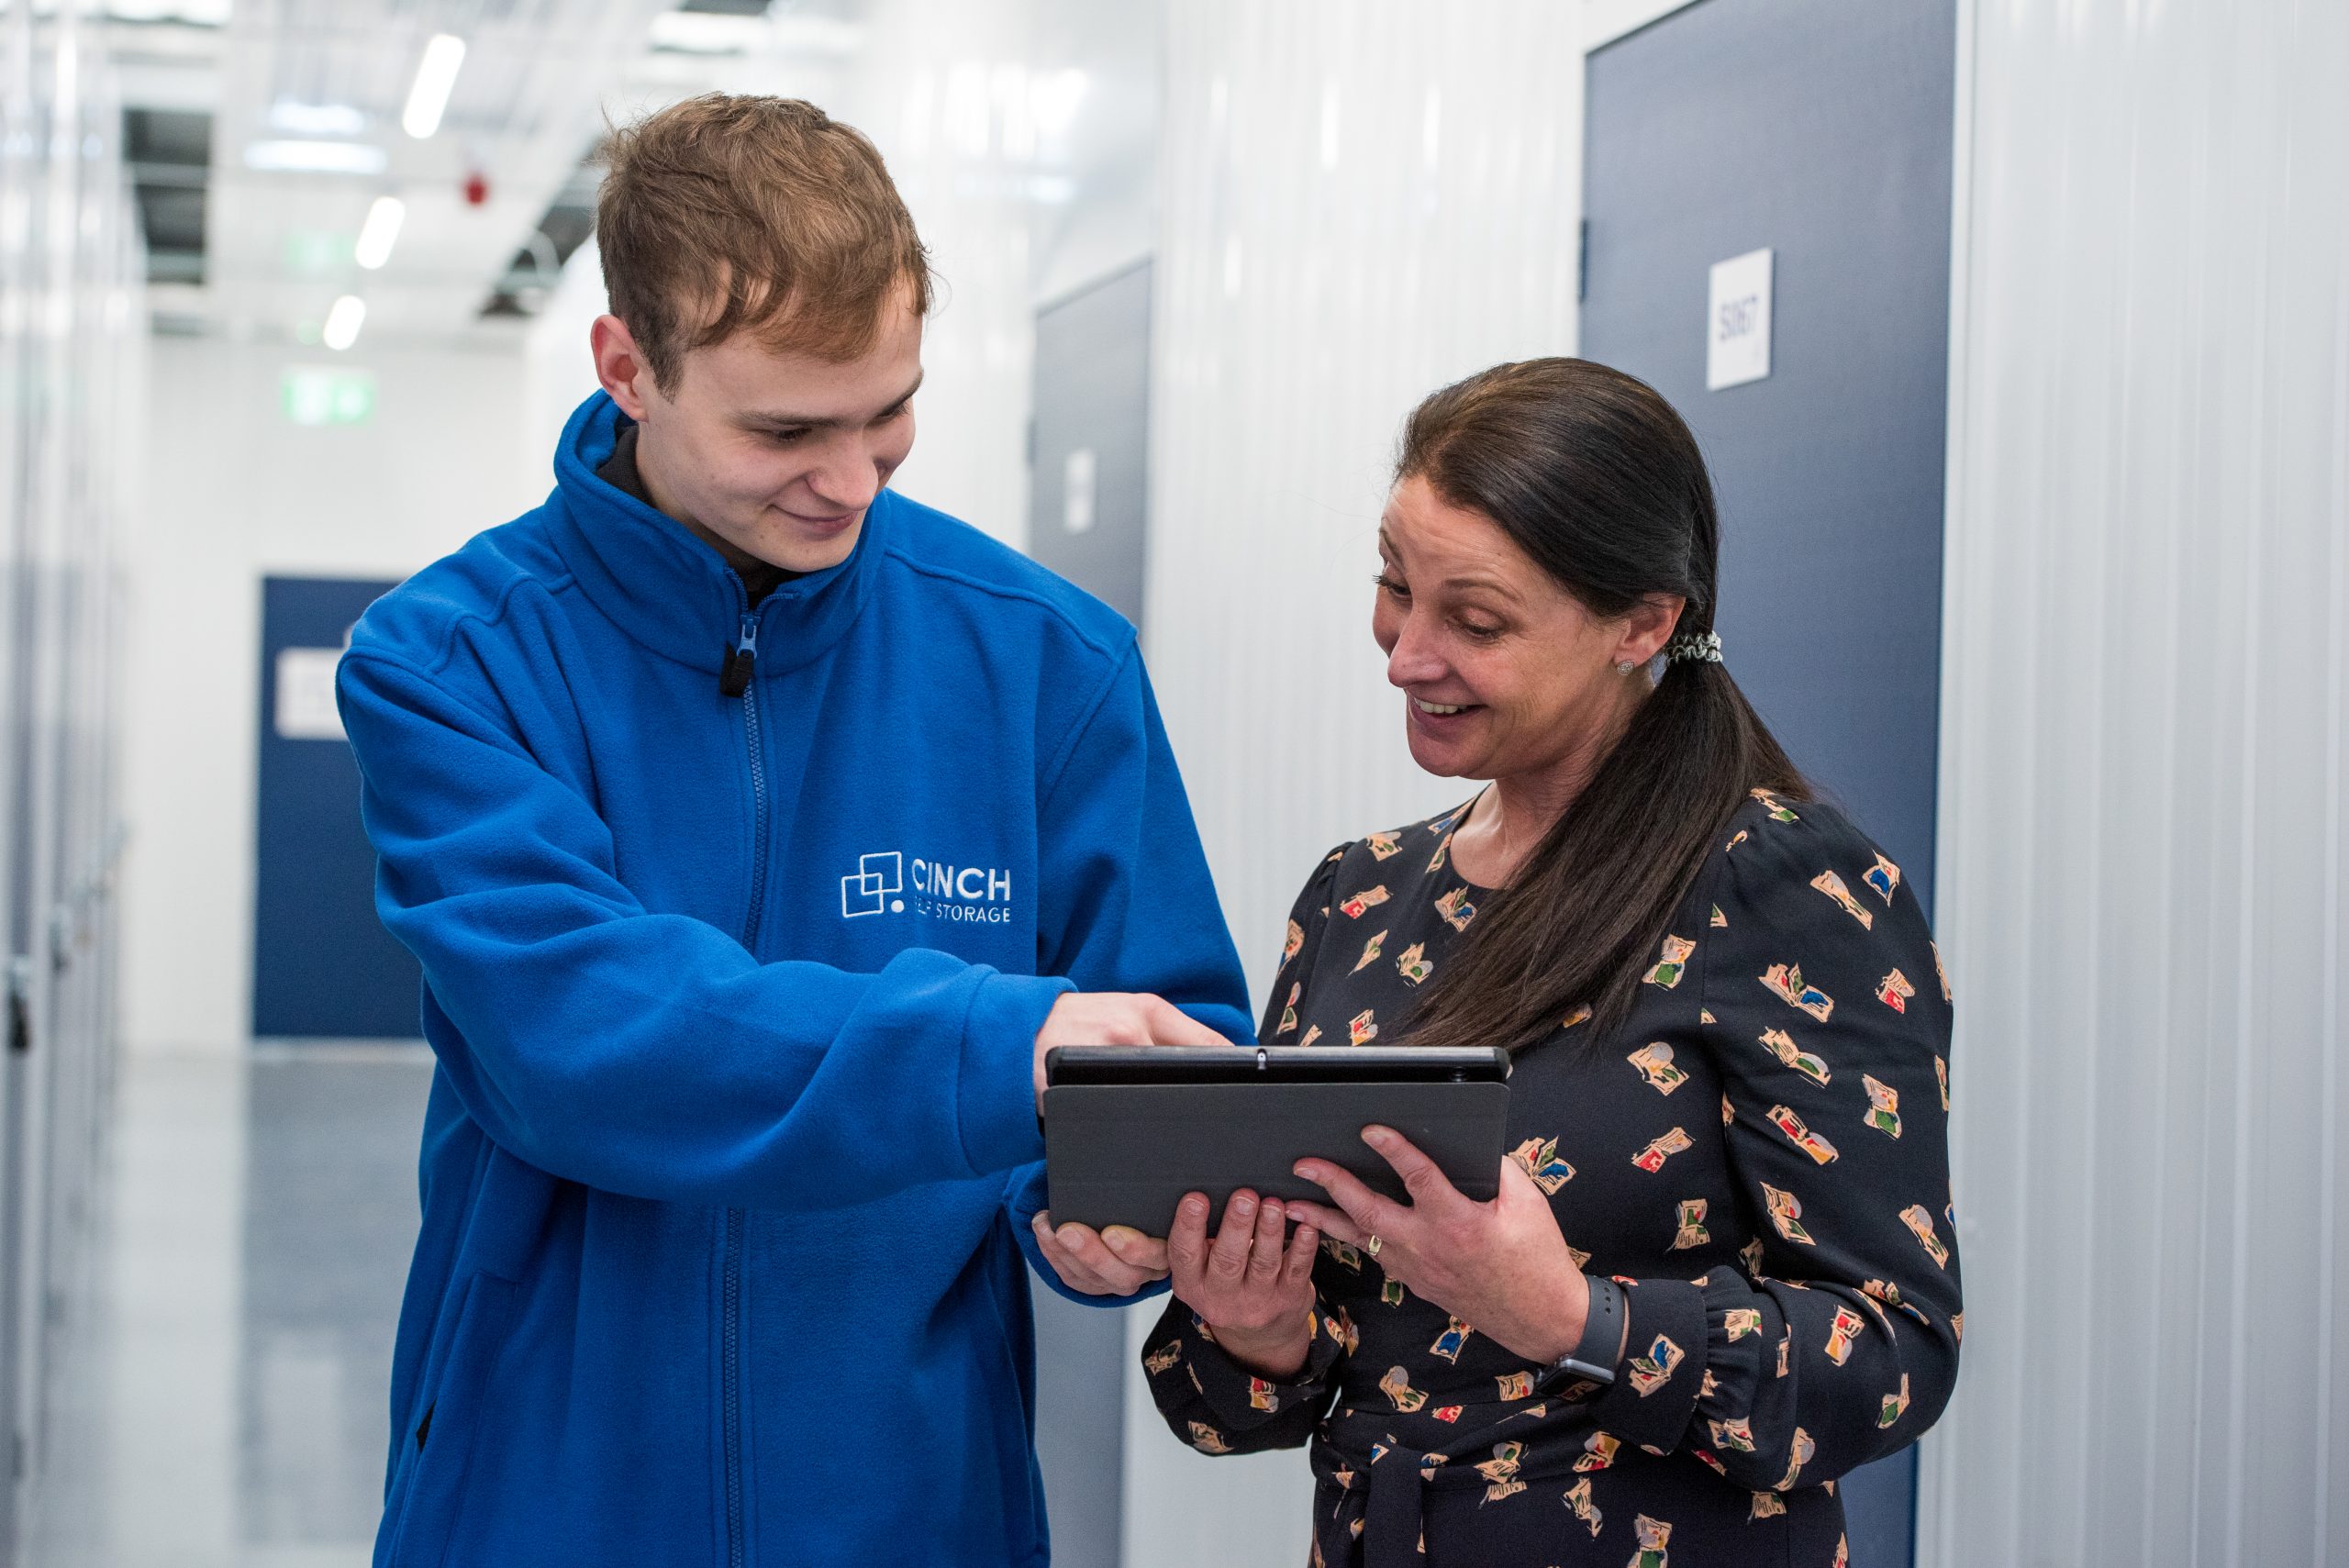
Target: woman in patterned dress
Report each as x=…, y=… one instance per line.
x=1728, y=1203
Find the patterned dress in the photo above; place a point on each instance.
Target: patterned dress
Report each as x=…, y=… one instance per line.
x=1759, y=1154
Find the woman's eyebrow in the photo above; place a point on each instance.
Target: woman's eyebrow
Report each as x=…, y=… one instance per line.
x=1490, y=584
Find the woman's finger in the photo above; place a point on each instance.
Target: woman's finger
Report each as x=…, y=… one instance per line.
x=1227, y=1254
x=1334, y=1223
x=1297, y=1268
x=1264, y=1257
x=1422, y=1177
x=1366, y=1208
x=1186, y=1241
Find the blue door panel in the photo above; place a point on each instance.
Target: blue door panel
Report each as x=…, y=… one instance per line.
x=1822, y=130
x=323, y=966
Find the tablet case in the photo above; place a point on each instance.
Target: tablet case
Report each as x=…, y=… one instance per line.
x=1127, y=1153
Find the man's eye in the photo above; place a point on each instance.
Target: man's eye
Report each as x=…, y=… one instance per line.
x=787, y=438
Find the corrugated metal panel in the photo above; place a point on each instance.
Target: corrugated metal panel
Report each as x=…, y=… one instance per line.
x=1359, y=206
x=1359, y=202
x=2146, y=699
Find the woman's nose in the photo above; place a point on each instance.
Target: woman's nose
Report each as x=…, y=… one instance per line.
x=1413, y=660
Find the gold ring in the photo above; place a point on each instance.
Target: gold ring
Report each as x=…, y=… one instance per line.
x=1372, y=1246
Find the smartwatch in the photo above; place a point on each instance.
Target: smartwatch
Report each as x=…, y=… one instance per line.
x=1590, y=1365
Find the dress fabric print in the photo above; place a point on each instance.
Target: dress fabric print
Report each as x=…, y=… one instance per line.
x=1759, y=1155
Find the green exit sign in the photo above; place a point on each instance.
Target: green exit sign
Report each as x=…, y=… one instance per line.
x=321, y=394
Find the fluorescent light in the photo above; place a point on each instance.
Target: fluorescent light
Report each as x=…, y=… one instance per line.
x=435, y=73
x=315, y=119
x=342, y=330
x=315, y=158
x=1053, y=100
x=376, y=234
x=702, y=32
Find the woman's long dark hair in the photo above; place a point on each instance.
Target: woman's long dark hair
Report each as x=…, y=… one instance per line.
x=1594, y=475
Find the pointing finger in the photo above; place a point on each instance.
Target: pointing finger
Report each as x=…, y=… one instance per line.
x=1366, y=1208
x=1422, y=1177
x=1330, y=1223
x=1169, y=1025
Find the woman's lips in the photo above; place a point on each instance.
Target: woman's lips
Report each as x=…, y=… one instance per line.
x=1446, y=717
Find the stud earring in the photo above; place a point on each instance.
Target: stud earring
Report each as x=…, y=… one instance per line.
x=1625, y=668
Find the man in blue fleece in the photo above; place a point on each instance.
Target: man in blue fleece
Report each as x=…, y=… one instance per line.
x=758, y=829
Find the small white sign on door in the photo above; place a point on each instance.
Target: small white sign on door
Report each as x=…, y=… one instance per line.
x=1077, y=481
x=305, y=709
x=1737, y=321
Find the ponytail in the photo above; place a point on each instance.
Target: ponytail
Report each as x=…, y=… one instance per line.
x=1595, y=477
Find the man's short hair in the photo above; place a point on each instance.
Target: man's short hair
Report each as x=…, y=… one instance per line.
x=724, y=214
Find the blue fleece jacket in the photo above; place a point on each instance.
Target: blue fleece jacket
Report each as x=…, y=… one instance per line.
x=732, y=1147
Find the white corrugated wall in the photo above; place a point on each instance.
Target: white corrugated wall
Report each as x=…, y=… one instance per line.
x=2147, y=688
x=1361, y=200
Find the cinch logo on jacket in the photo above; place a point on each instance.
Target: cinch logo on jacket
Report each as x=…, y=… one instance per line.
x=940, y=891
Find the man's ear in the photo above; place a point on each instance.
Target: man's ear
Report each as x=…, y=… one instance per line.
x=1647, y=626
x=621, y=366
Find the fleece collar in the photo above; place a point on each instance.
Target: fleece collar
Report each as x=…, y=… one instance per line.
x=673, y=593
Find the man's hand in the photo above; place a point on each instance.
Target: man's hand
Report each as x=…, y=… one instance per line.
x=1116, y=1017
x=1116, y=1262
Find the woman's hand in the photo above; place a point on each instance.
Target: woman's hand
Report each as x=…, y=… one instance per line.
x=1502, y=1267
x=1256, y=1295
x=1116, y=1262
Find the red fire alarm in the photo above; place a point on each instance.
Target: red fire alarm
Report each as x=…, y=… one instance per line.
x=476, y=188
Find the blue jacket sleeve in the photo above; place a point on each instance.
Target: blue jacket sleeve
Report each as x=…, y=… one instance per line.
x=1127, y=901
x=648, y=1053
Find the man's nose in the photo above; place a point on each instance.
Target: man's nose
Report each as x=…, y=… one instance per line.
x=848, y=481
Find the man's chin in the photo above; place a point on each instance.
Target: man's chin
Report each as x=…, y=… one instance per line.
x=806, y=548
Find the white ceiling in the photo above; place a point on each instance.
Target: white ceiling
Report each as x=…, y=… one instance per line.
x=538, y=78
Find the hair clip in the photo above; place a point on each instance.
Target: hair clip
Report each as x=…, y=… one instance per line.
x=1704, y=646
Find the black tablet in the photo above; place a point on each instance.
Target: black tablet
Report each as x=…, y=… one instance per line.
x=1129, y=1131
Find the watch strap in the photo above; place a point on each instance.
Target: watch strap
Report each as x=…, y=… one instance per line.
x=1592, y=1361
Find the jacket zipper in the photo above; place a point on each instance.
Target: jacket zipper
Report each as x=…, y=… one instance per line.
x=735, y=681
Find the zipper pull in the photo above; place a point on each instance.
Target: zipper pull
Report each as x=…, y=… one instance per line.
x=734, y=678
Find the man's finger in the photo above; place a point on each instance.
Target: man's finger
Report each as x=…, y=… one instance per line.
x=1147, y=1253
x=1169, y=1025
x=1227, y=1254
x=1364, y=1207
x=1073, y=1274
x=1422, y=1177
x=1109, y=1276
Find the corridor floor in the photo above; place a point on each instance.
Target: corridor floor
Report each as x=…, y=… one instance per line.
x=226, y=1405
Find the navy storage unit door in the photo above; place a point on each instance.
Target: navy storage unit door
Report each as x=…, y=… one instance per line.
x=1821, y=131
x=323, y=966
